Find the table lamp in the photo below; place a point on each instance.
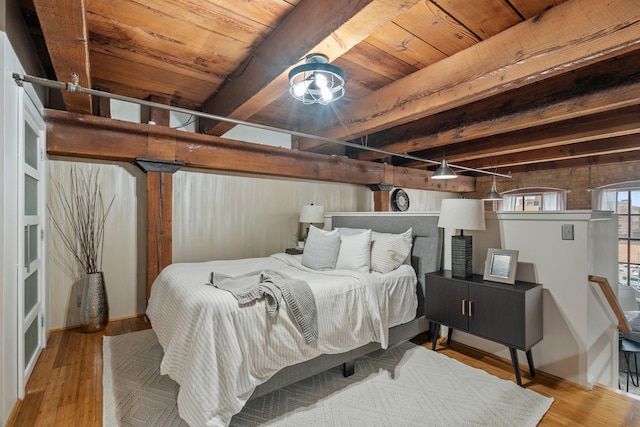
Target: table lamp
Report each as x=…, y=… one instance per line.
x=311, y=214
x=462, y=214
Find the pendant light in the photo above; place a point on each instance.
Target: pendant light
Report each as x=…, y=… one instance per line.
x=444, y=172
x=493, y=193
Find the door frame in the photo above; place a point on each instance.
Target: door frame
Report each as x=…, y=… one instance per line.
x=29, y=114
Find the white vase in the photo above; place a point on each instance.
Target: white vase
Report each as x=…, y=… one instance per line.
x=301, y=244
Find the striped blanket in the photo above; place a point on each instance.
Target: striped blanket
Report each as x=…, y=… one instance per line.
x=273, y=287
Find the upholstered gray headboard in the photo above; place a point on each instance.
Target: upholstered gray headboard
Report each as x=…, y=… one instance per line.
x=426, y=254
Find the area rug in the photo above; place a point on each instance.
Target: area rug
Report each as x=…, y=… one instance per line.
x=406, y=385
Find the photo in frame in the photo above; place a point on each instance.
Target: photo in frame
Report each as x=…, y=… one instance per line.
x=500, y=265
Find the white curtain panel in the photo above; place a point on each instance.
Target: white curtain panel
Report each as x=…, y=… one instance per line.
x=554, y=200
x=603, y=199
x=508, y=203
x=551, y=201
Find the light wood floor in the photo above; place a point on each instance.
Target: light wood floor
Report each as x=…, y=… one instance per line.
x=65, y=388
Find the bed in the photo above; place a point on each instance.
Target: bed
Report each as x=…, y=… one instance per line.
x=223, y=354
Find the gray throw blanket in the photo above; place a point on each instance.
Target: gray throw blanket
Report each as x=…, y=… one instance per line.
x=273, y=286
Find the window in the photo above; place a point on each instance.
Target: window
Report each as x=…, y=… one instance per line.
x=623, y=199
x=533, y=199
x=628, y=210
x=530, y=202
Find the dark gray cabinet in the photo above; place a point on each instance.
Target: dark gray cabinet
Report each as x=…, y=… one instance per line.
x=507, y=314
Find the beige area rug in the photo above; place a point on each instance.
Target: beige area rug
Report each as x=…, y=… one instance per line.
x=407, y=385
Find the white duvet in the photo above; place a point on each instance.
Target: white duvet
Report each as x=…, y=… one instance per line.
x=219, y=351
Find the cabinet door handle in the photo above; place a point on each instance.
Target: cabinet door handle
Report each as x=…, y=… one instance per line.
x=470, y=308
x=464, y=306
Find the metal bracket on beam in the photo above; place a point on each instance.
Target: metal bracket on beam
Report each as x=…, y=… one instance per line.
x=154, y=165
x=381, y=187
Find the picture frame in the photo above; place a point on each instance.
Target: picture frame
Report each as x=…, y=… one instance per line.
x=500, y=266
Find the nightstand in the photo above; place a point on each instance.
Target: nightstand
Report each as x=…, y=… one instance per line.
x=506, y=314
x=294, y=251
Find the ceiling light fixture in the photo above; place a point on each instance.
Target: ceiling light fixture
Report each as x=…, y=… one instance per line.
x=317, y=81
x=493, y=193
x=444, y=172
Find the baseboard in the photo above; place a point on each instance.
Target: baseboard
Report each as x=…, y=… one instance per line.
x=14, y=413
x=118, y=319
x=476, y=353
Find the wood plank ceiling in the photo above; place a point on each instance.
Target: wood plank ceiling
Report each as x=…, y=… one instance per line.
x=506, y=85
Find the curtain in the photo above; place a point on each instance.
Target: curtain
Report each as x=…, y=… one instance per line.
x=554, y=200
x=551, y=201
x=603, y=199
x=508, y=203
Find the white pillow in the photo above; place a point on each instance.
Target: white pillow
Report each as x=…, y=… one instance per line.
x=321, y=249
x=355, y=252
x=389, y=251
x=347, y=231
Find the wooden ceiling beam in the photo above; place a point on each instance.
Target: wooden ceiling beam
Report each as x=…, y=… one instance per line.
x=599, y=160
x=96, y=137
x=424, y=134
x=329, y=27
x=599, y=147
x=565, y=38
x=488, y=150
x=64, y=26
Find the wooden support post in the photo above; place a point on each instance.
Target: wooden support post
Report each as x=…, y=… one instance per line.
x=159, y=236
x=381, y=201
x=159, y=195
x=381, y=196
x=159, y=214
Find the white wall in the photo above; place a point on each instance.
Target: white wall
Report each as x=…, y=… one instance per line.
x=259, y=136
x=426, y=201
x=124, y=259
x=580, y=340
x=228, y=216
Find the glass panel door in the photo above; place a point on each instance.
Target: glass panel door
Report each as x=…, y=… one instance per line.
x=31, y=205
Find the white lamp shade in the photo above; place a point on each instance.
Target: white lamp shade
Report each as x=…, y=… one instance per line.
x=312, y=213
x=462, y=214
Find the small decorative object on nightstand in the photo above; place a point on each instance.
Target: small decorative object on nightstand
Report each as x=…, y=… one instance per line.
x=300, y=238
x=294, y=251
x=500, y=265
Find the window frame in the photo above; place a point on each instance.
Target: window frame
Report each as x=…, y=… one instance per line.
x=520, y=195
x=627, y=218
x=523, y=196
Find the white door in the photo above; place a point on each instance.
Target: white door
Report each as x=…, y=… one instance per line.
x=31, y=208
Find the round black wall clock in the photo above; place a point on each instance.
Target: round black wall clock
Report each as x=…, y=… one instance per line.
x=399, y=200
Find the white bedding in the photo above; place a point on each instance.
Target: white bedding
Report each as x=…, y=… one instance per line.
x=219, y=352
x=400, y=285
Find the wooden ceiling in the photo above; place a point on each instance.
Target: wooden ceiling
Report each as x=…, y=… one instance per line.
x=506, y=85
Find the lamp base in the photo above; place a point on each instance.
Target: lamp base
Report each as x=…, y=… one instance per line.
x=461, y=256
